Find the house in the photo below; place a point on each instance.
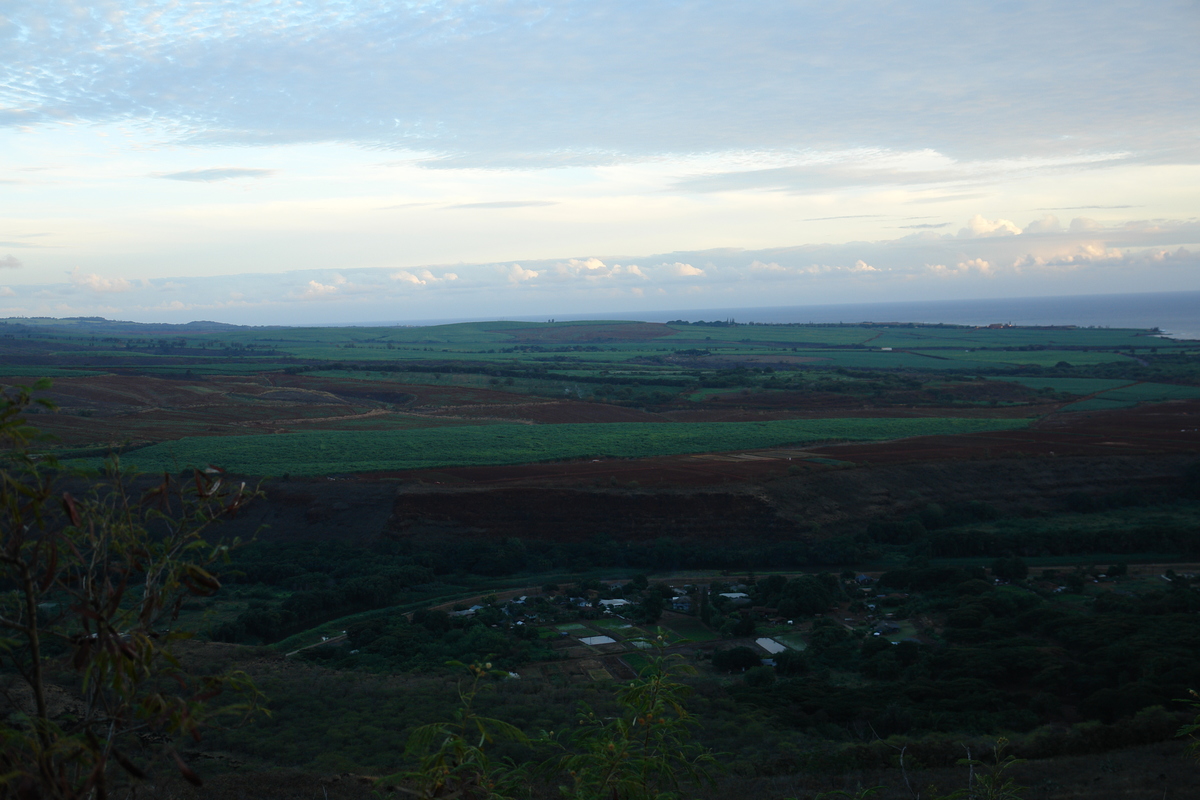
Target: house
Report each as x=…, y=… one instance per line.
x=467, y=612
x=683, y=604
x=615, y=603
x=738, y=598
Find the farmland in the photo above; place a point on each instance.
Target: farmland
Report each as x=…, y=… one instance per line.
x=473, y=490
x=313, y=453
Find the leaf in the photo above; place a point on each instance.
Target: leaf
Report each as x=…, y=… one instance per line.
x=72, y=512
x=187, y=772
x=51, y=570
x=127, y=765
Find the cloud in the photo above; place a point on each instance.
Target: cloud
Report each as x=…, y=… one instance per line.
x=1047, y=224
x=1084, y=225
x=978, y=228
x=469, y=82
x=1084, y=208
x=679, y=270
x=421, y=277
x=929, y=225
x=217, y=174
x=772, y=269
x=593, y=269
x=507, y=204
x=976, y=264
x=317, y=291
x=100, y=284
x=851, y=216
x=517, y=274
x=10, y=262
x=6, y=292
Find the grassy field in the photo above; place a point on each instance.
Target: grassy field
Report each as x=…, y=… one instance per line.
x=1127, y=396
x=33, y=373
x=320, y=452
x=1080, y=386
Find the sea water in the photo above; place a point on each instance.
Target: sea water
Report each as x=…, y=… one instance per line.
x=1177, y=314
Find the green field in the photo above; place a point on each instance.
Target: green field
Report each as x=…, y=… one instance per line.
x=320, y=452
x=1128, y=396
x=1080, y=386
x=44, y=372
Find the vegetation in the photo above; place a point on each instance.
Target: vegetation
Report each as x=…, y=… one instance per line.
x=90, y=672
x=1040, y=624
x=319, y=453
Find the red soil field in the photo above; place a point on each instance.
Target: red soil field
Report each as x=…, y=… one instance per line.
x=1153, y=429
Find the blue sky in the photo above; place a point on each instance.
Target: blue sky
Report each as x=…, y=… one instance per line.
x=343, y=161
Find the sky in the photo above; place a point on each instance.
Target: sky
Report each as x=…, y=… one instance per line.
x=272, y=162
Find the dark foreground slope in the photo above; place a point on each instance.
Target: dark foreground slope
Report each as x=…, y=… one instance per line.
x=808, y=506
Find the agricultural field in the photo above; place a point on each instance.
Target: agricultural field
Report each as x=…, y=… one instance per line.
x=319, y=452
x=1131, y=395
x=304, y=400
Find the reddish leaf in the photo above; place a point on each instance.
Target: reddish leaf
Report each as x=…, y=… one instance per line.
x=188, y=774
x=72, y=512
x=128, y=766
x=51, y=570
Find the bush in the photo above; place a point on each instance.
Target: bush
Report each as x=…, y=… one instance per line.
x=737, y=659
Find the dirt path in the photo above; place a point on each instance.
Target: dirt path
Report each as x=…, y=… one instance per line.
x=330, y=640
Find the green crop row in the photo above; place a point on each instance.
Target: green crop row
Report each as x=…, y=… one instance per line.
x=320, y=452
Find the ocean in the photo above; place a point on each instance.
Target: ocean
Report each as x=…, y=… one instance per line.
x=1176, y=314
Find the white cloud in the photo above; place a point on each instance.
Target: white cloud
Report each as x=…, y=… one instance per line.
x=679, y=270
x=217, y=174
x=593, y=269
x=1047, y=224
x=772, y=269
x=979, y=265
x=421, y=277
x=10, y=262
x=1084, y=225
x=979, y=227
x=517, y=274
x=100, y=284
x=468, y=78
x=317, y=290
x=6, y=292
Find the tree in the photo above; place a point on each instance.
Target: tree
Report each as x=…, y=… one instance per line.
x=452, y=757
x=645, y=753
x=1010, y=569
x=95, y=582
x=1192, y=730
x=989, y=780
x=737, y=659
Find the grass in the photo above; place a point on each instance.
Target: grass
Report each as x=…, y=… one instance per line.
x=690, y=628
x=1080, y=386
x=792, y=640
x=1127, y=396
x=46, y=372
x=321, y=452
